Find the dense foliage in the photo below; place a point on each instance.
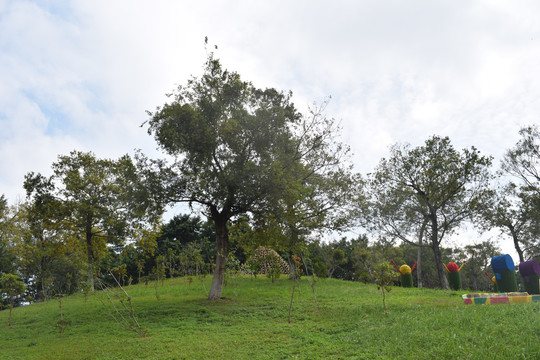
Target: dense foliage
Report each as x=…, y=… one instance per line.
x=240, y=150
x=255, y=172
x=427, y=192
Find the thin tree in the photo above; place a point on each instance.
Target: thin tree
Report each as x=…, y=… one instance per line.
x=13, y=288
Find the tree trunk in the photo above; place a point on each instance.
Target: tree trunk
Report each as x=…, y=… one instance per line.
x=419, y=266
x=331, y=271
x=516, y=243
x=474, y=280
x=222, y=248
x=383, y=299
x=419, y=257
x=90, y=270
x=10, y=312
x=443, y=281
x=90, y=254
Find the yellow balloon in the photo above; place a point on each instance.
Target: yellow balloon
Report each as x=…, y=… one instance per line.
x=405, y=269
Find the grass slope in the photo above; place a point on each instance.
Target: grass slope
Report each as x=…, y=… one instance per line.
x=252, y=323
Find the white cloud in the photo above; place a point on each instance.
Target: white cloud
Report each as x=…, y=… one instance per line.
x=81, y=74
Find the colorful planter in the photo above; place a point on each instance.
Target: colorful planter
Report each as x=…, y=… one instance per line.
x=405, y=274
x=529, y=271
x=505, y=274
x=500, y=298
x=454, y=275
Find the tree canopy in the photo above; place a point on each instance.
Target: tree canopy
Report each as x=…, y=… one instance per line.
x=239, y=149
x=7, y=225
x=428, y=191
x=513, y=210
x=518, y=203
x=87, y=199
x=523, y=160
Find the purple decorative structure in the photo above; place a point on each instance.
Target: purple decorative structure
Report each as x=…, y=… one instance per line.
x=529, y=271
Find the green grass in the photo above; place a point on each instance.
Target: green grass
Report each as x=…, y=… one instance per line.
x=347, y=323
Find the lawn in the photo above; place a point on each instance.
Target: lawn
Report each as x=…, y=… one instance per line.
x=251, y=322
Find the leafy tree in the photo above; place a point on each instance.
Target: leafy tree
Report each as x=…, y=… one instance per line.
x=385, y=276
x=158, y=272
x=90, y=199
x=347, y=270
x=191, y=260
x=50, y=259
x=320, y=192
x=313, y=257
x=336, y=259
x=514, y=212
x=182, y=230
x=365, y=258
x=523, y=162
x=13, y=288
x=428, y=192
x=364, y=261
x=180, y=236
x=319, y=256
x=392, y=213
x=8, y=232
x=241, y=150
x=336, y=256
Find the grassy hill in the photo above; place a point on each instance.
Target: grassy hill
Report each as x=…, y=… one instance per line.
x=251, y=322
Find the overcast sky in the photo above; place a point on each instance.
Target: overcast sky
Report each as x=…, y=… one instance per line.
x=81, y=74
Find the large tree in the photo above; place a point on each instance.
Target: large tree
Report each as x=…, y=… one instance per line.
x=50, y=258
x=523, y=162
x=392, y=213
x=428, y=192
x=88, y=199
x=514, y=211
x=238, y=149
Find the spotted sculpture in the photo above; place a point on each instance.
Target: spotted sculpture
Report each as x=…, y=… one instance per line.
x=264, y=259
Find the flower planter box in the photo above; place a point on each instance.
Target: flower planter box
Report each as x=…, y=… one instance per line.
x=500, y=298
